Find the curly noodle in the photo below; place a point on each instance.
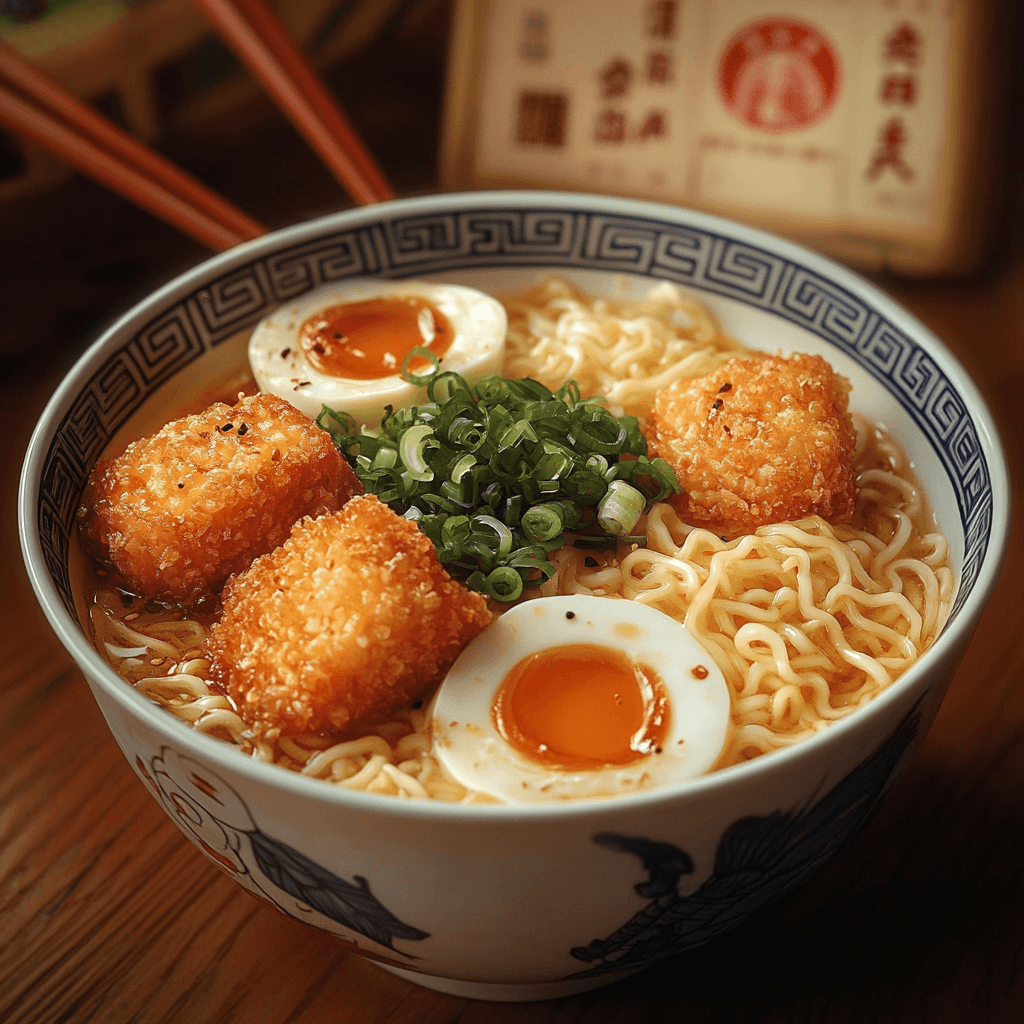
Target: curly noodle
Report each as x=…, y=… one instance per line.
x=807, y=621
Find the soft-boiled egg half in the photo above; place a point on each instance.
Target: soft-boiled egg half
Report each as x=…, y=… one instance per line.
x=344, y=345
x=580, y=696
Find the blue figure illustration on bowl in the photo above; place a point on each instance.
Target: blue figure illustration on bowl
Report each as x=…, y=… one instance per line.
x=758, y=860
x=215, y=817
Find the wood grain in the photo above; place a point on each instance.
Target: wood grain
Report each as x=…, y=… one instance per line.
x=108, y=914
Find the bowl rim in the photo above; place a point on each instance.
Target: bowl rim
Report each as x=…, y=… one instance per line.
x=179, y=735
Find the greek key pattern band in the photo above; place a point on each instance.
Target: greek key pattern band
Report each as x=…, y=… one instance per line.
x=494, y=237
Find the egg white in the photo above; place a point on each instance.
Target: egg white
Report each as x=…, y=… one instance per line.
x=468, y=744
x=280, y=366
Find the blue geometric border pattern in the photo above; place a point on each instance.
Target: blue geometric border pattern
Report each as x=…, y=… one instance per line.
x=490, y=237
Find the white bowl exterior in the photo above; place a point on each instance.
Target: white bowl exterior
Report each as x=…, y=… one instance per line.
x=504, y=897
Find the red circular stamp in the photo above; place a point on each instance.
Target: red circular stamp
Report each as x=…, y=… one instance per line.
x=779, y=75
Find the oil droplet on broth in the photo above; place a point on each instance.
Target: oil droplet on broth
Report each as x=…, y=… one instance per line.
x=628, y=630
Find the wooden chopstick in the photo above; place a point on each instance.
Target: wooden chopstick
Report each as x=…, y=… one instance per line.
x=261, y=42
x=47, y=131
x=60, y=122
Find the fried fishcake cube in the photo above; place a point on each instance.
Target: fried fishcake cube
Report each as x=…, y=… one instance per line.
x=182, y=510
x=761, y=440
x=349, y=620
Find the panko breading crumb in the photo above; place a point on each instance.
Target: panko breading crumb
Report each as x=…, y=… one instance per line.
x=182, y=510
x=761, y=440
x=349, y=620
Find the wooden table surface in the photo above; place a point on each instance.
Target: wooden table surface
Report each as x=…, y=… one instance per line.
x=108, y=914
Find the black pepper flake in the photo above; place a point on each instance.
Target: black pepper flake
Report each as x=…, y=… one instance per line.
x=285, y=353
x=243, y=428
x=590, y=562
x=181, y=486
x=338, y=335
x=305, y=384
x=717, y=404
x=570, y=615
x=725, y=387
x=318, y=348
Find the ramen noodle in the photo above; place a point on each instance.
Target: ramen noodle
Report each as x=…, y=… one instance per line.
x=807, y=620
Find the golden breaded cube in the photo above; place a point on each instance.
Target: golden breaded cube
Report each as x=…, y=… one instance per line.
x=182, y=510
x=761, y=440
x=349, y=620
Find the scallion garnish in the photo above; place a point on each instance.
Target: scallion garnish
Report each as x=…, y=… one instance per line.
x=411, y=449
x=419, y=353
x=620, y=508
x=501, y=474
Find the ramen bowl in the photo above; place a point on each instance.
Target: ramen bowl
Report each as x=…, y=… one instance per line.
x=525, y=902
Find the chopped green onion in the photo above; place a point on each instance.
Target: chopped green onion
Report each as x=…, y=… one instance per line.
x=498, y=474
x=516, y=432
x=503, y=584
x=420, y=353
x=586, y=486
x=620, y=508
x=412, y=448
x=462, y=467
x=384, y=458
x=335, y=423
x=543, y=522
x=513, y=513
x=596, y=543
x=443, y=387
x=505, y=538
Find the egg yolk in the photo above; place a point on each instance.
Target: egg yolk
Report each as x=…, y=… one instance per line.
x=582, y=706
x=370, y=339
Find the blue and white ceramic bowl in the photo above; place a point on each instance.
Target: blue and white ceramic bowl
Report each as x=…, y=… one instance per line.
x=520, y=903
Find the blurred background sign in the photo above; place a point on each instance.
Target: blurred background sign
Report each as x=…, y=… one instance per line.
x=867, y=128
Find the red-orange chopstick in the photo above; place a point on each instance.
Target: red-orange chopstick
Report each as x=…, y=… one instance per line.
x=35, y=124
x=77, y=133
x=260, y=41
x=65, y=106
